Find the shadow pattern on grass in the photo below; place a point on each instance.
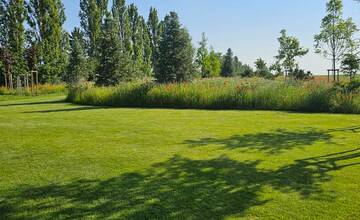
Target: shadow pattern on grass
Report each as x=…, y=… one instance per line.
x=85, y=108
x=34, y=103
x=353, y=129
x=269, y=142
x=179, y=188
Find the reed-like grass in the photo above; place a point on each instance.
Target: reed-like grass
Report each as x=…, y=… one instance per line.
x=220, y=93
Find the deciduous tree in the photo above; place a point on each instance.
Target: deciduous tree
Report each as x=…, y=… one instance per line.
x=16, y=17
x=46, y=18
x=202, y=56
x=336, y=36
x=155, y=33
x=92, y=13
x=136, y=33
x=261, y=69
x=288, y=51
x=146, y=68
x=212, y=64
x=351, y=64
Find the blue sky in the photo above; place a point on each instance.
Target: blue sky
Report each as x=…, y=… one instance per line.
x=249, y=27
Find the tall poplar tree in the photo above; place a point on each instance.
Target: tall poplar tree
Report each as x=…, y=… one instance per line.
x=12, y=39
x=120, y=13
x=16, y=18
x=46, y=18
x=92, y=14
x=3, y=24
x=5, y=56
x=155, y=33
x=136, y=30
x=147, y=49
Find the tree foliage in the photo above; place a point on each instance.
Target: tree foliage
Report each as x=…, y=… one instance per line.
x=175, y=52
x=117, y=44
x=246, y=71
x=228, y=67
x=114, y=64
x=92, y=13
x=77, y=69
x=153, y=24
x=262, y=69
x=288, y=51
x=16, y=35
x=46, y=18
x=350, y=64
x=202, y=55
x=212, y=64
x=12, y=39
x=336, y=36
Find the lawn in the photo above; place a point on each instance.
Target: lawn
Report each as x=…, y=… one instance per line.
x=64, y=161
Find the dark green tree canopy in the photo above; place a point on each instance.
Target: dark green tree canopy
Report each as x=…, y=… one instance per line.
x=262, y=69
x=351, y=64
x=175, y=52
x=228, y=67
x=77, y=69
x=114, y=64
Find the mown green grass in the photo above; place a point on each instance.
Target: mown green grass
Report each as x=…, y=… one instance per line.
x=64, y=161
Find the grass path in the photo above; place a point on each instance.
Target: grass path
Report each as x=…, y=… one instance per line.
x=63, y=161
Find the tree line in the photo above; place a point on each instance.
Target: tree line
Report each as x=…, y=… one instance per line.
x=41, y=45
x=116, y=43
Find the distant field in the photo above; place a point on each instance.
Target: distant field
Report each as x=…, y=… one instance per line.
x=64, y=161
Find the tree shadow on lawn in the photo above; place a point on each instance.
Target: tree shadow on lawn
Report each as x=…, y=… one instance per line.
x=85, y=108
x=179, y=188
x=34, y=103
x=353, y=129
x=269, y=142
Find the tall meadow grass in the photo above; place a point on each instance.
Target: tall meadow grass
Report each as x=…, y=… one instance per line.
x=221, y=93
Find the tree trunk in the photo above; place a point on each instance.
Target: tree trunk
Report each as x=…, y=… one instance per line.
x=334, y=45
x=6, y=80
x=11, y=84
x=334, y=66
